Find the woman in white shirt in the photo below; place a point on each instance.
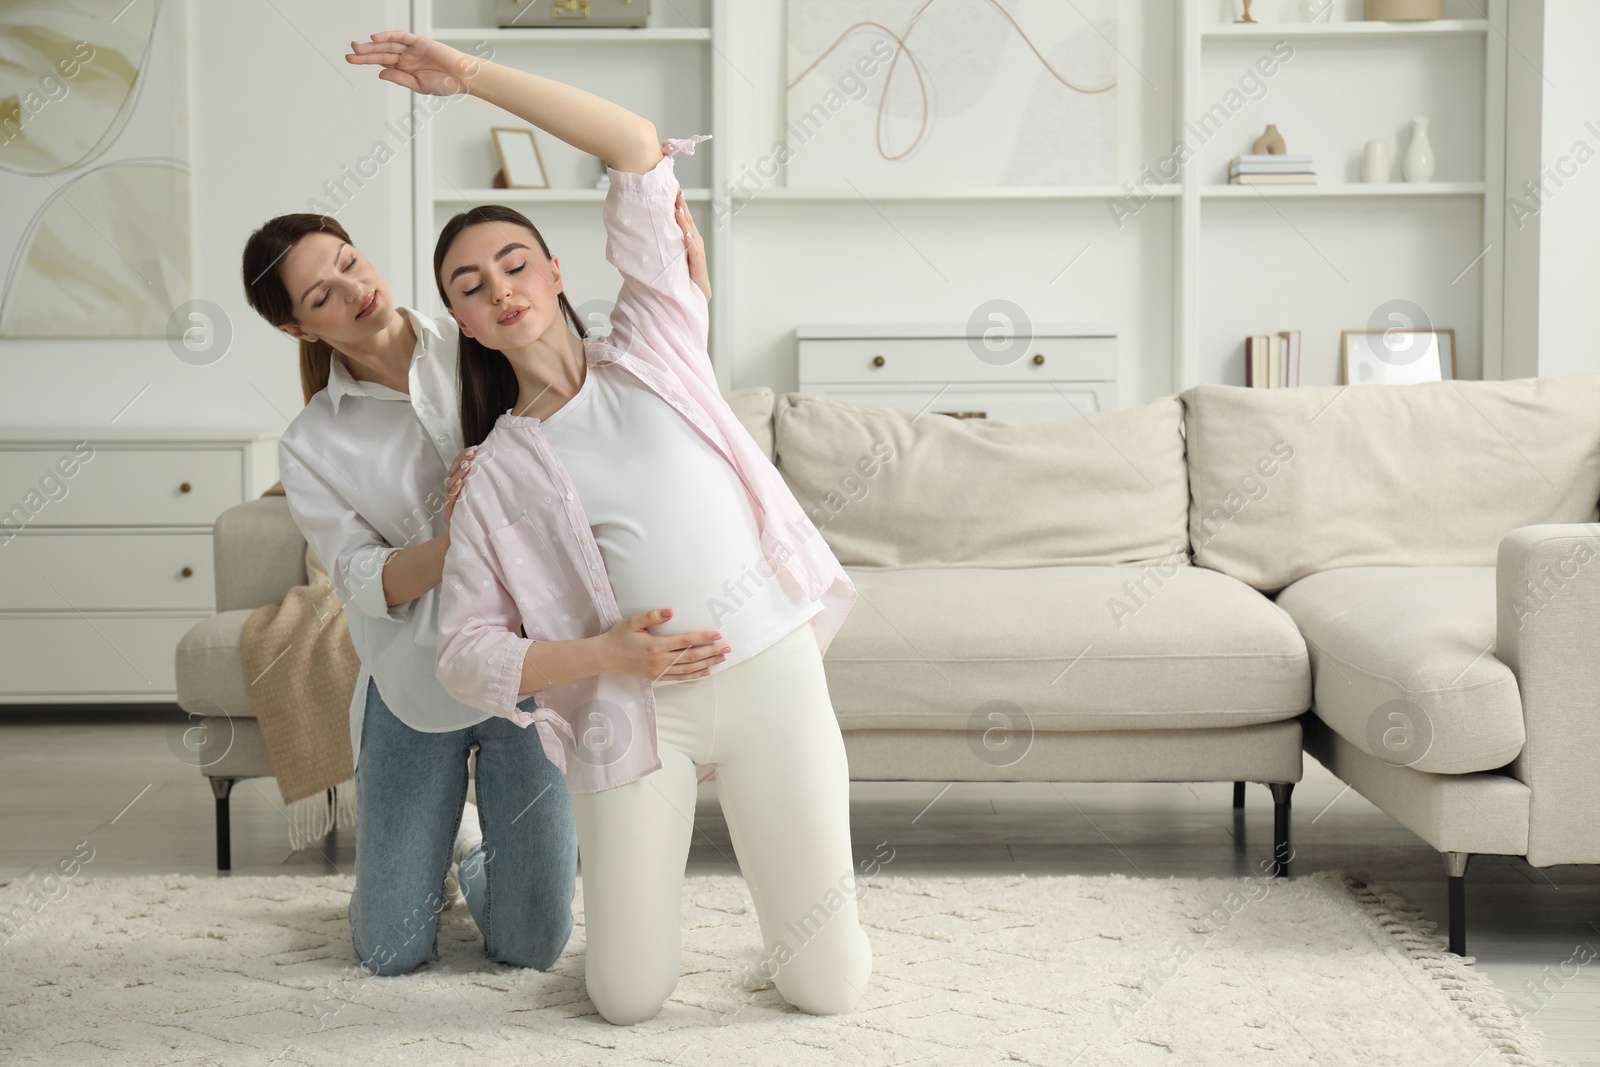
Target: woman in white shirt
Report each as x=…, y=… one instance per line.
x=365, y=468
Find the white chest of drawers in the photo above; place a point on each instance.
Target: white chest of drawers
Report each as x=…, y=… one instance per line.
x=1057, y=371
x=106, y=559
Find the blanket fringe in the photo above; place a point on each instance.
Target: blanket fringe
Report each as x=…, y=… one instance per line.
x=312, y=817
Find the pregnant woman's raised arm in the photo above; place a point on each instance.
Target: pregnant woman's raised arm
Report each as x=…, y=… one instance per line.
x=592, y=124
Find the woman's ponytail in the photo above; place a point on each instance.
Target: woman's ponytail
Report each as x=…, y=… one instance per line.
x=315, y=360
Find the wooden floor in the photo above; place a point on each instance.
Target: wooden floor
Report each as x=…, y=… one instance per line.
x=117, y=781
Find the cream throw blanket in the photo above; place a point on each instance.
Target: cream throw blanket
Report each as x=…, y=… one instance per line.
x=300, y=668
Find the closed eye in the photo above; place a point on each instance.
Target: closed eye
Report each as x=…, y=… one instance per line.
x=475, y=288
x=342, y=269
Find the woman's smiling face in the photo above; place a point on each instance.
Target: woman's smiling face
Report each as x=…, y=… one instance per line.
x=503, y=290
x=338, y=294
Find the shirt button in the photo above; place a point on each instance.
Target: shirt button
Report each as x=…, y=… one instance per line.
x=547, y=500
x=441, y=439
x=569, y=496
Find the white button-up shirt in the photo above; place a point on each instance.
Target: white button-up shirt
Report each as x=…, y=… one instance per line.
x=363, y=468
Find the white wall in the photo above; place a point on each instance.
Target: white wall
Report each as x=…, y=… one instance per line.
x=1553, y=141
x=275, y=112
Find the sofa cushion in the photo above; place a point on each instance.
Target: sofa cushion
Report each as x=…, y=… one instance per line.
x=1403, y=663
x=210, y=672
x=1070, y=648
x=1290, y=482
x=890, y=489
x=754, y=409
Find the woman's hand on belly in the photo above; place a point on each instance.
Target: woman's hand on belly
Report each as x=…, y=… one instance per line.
x=630, y=648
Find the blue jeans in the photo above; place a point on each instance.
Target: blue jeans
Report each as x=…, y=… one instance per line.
x=411, y=788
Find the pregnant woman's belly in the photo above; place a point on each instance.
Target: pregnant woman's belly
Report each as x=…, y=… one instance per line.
x=674, y=523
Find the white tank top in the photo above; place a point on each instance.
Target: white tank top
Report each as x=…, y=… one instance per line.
x=674, y=523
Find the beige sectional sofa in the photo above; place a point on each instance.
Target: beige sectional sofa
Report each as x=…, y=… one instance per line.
x=1163, y=594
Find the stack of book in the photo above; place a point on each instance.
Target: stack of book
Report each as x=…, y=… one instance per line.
x=1272, y=362
x=1271, y=170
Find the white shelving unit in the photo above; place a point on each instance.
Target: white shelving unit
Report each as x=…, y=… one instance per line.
x=1248, y=256
x=1244, y=259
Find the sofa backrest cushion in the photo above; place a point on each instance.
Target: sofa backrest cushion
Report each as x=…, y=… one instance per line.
x=892, y=489
x=754, y=408
x=1288, y=482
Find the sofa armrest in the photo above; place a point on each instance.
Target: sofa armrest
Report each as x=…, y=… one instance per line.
x=1548, y=632
x=259, y=554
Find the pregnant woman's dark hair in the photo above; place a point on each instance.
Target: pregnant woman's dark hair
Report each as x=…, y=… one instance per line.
x=488, y=385
x=264, y=288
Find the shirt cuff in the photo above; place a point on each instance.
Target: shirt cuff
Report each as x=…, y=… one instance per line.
x=659, y=177
x=508, y=679
x=364, y=584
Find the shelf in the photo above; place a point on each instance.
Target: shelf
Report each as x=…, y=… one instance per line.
x=1345, y=189
x=564, y=35
x=542, y=196
x=1273, y=30
x=1018, y=192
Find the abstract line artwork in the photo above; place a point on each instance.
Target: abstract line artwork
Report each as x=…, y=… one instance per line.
x=94, y=168
x=951, y=93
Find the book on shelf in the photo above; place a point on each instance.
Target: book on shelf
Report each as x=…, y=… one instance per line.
x=1272, y=362
x=1271, y=170
x=1307, y=178
x=1269, y=163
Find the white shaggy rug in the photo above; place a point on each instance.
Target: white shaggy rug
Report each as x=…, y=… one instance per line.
x=178, y=969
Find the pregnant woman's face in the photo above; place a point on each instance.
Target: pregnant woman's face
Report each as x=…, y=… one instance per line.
x=502, y=289
x=338, y=294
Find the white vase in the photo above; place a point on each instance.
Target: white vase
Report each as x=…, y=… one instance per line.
x=1418, y=163
x=1375, y=162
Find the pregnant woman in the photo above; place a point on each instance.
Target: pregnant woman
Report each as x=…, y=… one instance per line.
x=626, y=553
x=364, y=472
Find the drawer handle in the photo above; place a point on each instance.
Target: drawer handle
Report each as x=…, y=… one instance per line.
x=1038, y=359
x=184, y=488
x=877, y=361
x=188, y=572
x=964, y=414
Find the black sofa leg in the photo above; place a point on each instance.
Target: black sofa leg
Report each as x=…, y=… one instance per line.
x=1280, y=828
x=1455, y=865
x=220, y=788
x=1238, y=794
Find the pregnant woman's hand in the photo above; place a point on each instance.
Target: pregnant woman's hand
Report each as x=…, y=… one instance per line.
x=630, y=648
x=421, y=64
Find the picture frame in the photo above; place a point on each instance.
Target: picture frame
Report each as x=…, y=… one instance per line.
x=1373, y=357
x=521, y=165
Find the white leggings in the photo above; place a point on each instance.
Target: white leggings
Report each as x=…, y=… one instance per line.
x=768, y=726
